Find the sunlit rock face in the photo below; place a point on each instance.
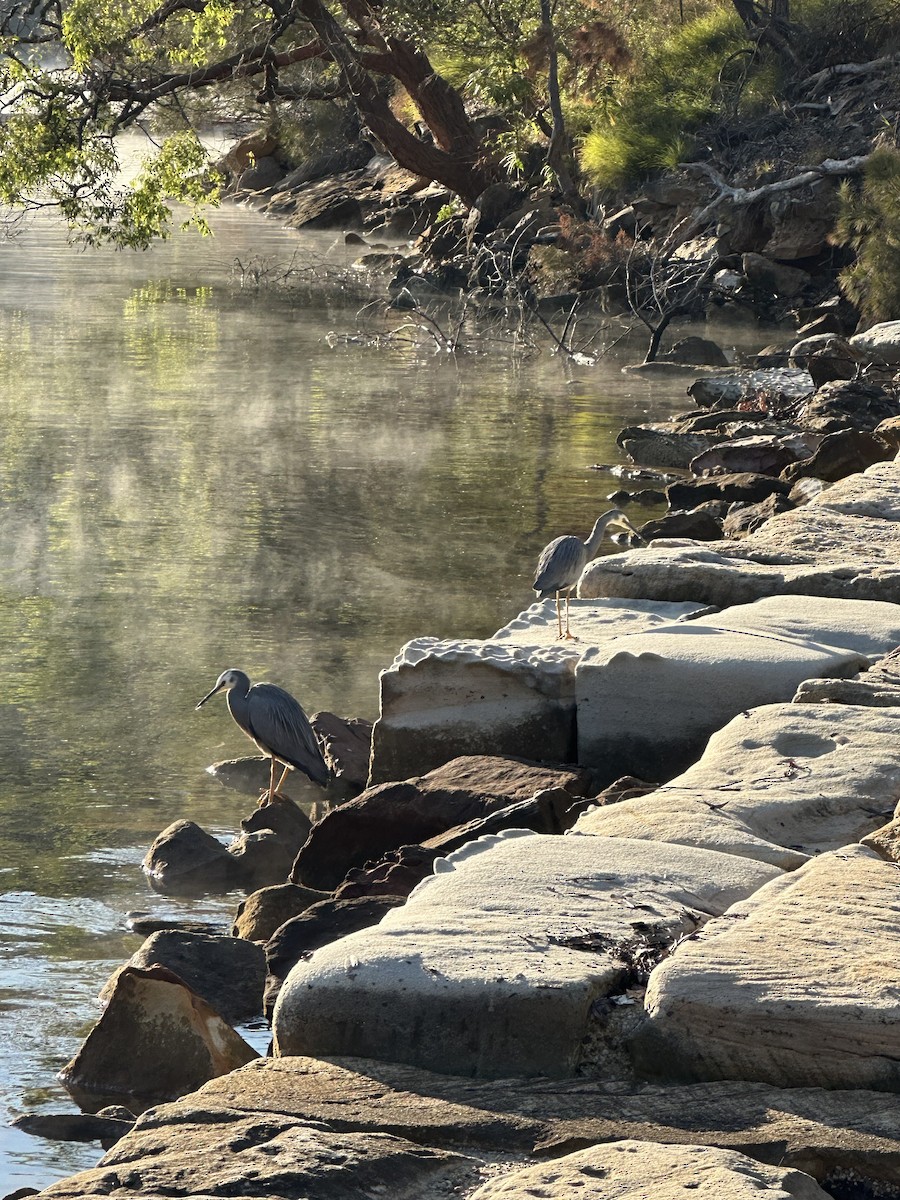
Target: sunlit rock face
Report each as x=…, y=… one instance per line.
x=510, y=694
x=416, y=989
x=780, y=783
x=797, y=989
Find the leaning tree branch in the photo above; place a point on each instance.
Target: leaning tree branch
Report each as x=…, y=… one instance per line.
x=740, y=197
x=821, y=79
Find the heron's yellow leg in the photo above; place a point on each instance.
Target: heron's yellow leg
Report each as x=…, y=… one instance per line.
x=284, y=775
x=267, y=798
x=558, y=618
x=570, y=637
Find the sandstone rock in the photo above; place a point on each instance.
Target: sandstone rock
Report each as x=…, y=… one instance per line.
x=758, y=788
x=835, y=1136
x=321, y=924
x=250, y=777
x=391, y=814
x=814, y=549
x=853, y=404
x=263, y=911
x=507, y=695
x=699, y=525
x=744, y=519
x=155, y=1040
x=74, y=1127
x=346, y=745
x=741, y=386
x=796, y=986
x=264, y=173
x=880, y=343
x=227, y=972
x=194, y=1153
x=520, y=902
x=772, y=276
x=186, y=860
x=835, y=347
x=246, y=151
x=648, y=702
x=764, y=455
x=841, y=454
x=624, y=1168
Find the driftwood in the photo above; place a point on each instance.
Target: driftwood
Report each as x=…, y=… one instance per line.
x=822, y=78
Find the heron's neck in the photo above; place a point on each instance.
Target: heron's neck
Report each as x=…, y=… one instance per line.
x=593, y=542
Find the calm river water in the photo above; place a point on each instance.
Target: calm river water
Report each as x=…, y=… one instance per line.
x=194, y=477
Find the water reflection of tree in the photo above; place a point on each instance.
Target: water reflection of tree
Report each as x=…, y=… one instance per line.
x=190, y=482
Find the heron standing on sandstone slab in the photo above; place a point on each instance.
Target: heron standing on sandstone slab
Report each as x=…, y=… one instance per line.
x=562, y=561
x=274, y=720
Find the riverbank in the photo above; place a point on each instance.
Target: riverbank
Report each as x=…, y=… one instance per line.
x=692, y=954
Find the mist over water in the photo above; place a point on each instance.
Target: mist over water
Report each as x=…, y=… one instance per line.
x=191, y=478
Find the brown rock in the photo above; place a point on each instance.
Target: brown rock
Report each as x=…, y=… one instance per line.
x=851, y=404
x=742, y=488
x=229, y=973
x=268, y=844
x=696, y=524
x=263, y=911
x=773, y=276
x=761, y=455
x=743, y=519
x=346, y=744
x=394, y=814
x=155, y=1041
x=186, y=860
x=841, y=454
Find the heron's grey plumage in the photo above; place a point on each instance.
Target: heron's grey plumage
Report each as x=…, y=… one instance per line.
x=276, y=722
x=563, y=560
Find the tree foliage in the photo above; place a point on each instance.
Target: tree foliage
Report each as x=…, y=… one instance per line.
x=869, y=222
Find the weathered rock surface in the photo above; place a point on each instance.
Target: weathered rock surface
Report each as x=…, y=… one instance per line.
x=155, y=1040
x=796, y=986
x=517, y=902
x=760, y=455
x=624, y=1169
x=320, y=925
x=648, y=702
x=229, y=973
x=263, y=911
x=506, y=695
x=777, y=784
x=840, y=454
x=269, y=840
x=880, y=343
x=185, y=859
x=838, y=1137
x=193, y=1153
x=814, y=550
x=395, y=814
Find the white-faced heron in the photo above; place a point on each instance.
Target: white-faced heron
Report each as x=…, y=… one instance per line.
x=276, y=722
x=562, y=561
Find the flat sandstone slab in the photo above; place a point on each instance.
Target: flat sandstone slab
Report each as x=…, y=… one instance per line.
x=777, y=783
x=831, y=1135
x=648, y=702
x=479, y=972
x=845, y=543
x=796, y=986
x=510, y=694
x=632, y=1170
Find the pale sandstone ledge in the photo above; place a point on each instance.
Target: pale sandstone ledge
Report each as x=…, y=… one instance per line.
x=844, y=543
x=778, y=784
x=340, y=1129
x=796, y=986
x=484, y=971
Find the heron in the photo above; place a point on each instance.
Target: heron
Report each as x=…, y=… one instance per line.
x=274, y=720
x=562, y=561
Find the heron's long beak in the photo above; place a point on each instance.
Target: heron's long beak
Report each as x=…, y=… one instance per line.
x=209, y=695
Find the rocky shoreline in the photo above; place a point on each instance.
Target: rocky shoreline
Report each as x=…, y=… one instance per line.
x=594, y=913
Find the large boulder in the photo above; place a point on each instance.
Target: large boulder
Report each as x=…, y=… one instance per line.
x=229, y=973
x=509, y=694
x=393, y=814
x=779, y=784
x=186, y=860
x=263, y=911
x=418, y=992
x=156, y=1040
x=796, y=986
x=880, y=343
x=648, y=702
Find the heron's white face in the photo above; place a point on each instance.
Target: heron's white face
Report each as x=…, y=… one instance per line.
x=227, y=679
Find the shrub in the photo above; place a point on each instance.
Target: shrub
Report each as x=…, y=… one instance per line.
x=869, y=222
